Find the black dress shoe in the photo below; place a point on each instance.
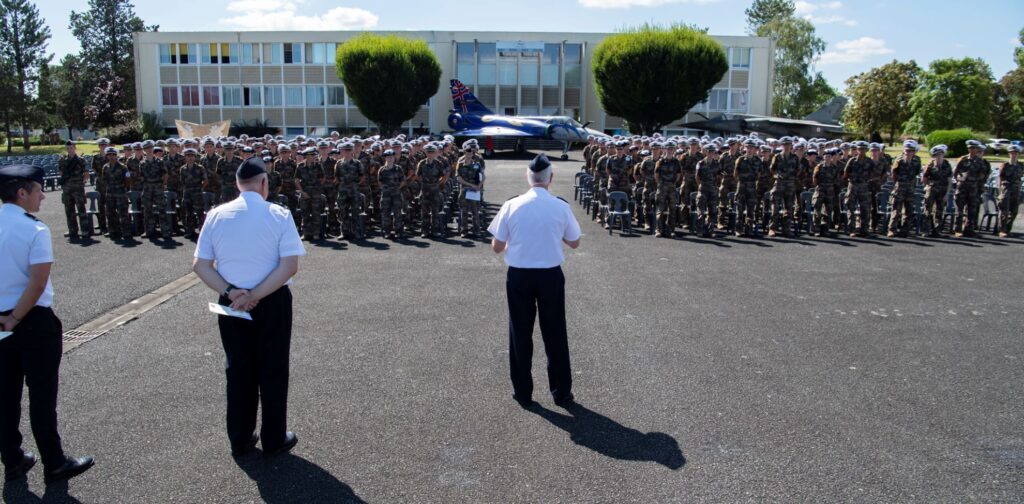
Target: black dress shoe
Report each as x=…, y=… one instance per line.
x=525, y=403
x=28, y=460
x=238, y=451
x=565, y=401
x=290, y=440
x=72, y=467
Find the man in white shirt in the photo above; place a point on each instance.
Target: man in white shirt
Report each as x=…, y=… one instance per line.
x=31, y=353
x=530, y=229
x=256, y=249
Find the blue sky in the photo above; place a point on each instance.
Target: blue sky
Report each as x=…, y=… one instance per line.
x=860, y=34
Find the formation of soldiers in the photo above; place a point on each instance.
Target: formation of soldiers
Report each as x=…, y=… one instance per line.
x=759, y=183
x=354, y=183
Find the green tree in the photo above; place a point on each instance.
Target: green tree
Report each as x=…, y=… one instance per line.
x=1018, y=52
x=796, y=90
x=762, y=12
x=105, y=31
x=388, y=77
x=44, y=110
x=880, y=98
x=651, y=76
x=72, y=93
x=953, y=93
x=1005, y=114
x=23, y=38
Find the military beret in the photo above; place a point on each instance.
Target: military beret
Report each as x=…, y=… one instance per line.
x=539, y=163
x=250, y=168
x=103, y=141
x=1013, y=148
x=389, y=152
x=13, y=173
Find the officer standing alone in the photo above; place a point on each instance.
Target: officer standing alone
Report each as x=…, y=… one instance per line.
x=31, y=354
x=530, y=229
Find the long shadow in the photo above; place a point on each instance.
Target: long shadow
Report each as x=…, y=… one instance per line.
x=869, y=241
x=370, y=244
x=289, y=478
x=329, y=244
x=415, y=243
x=603, y=435
x=917, y=242
x=835, y=240
x=689, y=237
x=748, y=241
x=18, y=492
x=83, y=241
x=945, y=240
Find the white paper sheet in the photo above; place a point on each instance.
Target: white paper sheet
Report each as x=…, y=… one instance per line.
x=220, y=309
x=5, y=334
x=472, y=195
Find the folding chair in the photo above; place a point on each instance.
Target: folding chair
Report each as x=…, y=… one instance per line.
x=950, y=214
x=577, y=186
x=807, y=210
x=170, y=212
x=731, y=218
x=693, y=211
x=618, y=212
x=990, y=213
x=93, y=207
x=918, y=210
x=884, y=210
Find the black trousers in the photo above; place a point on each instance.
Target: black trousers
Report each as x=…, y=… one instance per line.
x=256, y=366
x=531, y=291
x=31, y=356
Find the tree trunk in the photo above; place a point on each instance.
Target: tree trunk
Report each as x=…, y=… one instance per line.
x=7, y=131
x=71, y=134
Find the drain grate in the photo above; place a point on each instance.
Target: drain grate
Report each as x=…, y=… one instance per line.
x=77, y=336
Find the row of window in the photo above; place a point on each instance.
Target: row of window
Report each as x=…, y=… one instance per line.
x=253, y=96
x=726, y=99
x=248, y=54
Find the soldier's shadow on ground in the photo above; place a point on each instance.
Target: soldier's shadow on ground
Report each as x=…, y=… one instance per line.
x=290, y=478
x=84, y=241
x=18, y=492
x=603, y=435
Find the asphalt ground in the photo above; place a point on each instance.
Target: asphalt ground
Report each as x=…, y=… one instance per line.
x=724, y=370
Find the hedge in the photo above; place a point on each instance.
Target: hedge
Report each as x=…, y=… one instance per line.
x=956, y=140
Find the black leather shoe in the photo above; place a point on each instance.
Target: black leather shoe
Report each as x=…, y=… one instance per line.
x=566, y=401
x=72, y=467
x=238, y=451
x=28, y=461
x=525, y=403
x=290, y=440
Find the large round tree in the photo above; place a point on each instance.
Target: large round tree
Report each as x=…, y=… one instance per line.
x=389, y=78
x=651, y=75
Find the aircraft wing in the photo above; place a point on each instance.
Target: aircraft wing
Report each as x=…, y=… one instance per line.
x=492, y=131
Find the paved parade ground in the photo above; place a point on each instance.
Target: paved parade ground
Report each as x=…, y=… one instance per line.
x=706, y=370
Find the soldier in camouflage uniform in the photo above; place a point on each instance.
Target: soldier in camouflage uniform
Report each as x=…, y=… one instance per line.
x=646, y=185
x=349, y=175
x=618, y=170
x=227, y=167
x=823, y=179
x=273, y=177
x=1009, y=191
x=936, y=186
x=688, y=167
x=193, y=181
x=285, y=167
x=392, y=180
x=857, y=173
x=969, y=170
x=331, y=187
x=309, y=176
x=905, y=172
x=115, y=176
x=412, y=187
x=154, y=179
x=73, y=173
x=469, y=175
x=98, y=161
x=879, y=176
x=746, y=171
x=209, y=161
x=784, y=169
x=134, y=178
x=372, y=166
x=728, y=163
x=708, y=175
x=431, y=174
x=667, y=177
x=173, y=161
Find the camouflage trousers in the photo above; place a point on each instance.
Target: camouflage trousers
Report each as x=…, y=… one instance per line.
x=331, y=192
x=935, y=207
x=728, y=186
x=347, y=206
x=858, y=196
x=101, y=209
x=470, y=214
x=192, y=204
x=153, y=204
x=707, y=207
x=967, y=202
x=686, y=203
x=823, y=202
x=666, y=201
x=391, y=205
x=118, y=221
x=74, y=210
x=783, y=203
x=311, y=205
x=1009, y=202
x=431, y=201
x=764, y=205
x=373, y=202
x=288, y=191
x=901, y=203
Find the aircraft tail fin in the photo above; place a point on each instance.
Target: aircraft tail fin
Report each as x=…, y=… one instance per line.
x=465, y=101
x=829, y=113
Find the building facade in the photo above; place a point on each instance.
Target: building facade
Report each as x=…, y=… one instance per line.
x=288, y=80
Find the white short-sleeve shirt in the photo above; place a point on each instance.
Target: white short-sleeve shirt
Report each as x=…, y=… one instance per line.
x=247, y=237
x=533, y=226
x=24, y=241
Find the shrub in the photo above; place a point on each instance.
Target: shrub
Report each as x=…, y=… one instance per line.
x=956, y=140
x=125, y=133
x=152, y=126
x=255, y=128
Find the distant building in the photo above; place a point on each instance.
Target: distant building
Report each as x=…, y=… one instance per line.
x=288, y=80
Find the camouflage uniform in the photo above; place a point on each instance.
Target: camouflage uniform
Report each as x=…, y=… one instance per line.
x=746, y=172
x=273, y=182
x=331, y=193
x=118, y=222
x=764, y=187
x=646, y=191
x=286, y=169
x=1009, y=195
x=708, y=175
x=227, y=169
x=936, y=186
x=969, y=170
x=391, y=200
x=901, y=199
x=600, y=184
x=470, y=172
x=173, y=163
x=213, y=180
x=688, y=167
x=98, y=162
x=72, y=181
x=728, y=163
x=153, y=201
x=193, y=178
x=784, y=170
x=373, y=164
x=348, y=175
x=430, y=173
x=858, y=193
x=824, y=181
x=666, y=175
x=309, y=175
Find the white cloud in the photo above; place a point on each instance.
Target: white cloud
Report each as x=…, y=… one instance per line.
x=854, y=51
x=280, y=15
x=807, y=10
x=622, y=4
x=803, y=7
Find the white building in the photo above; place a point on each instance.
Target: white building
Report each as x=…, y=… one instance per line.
x=288, y=79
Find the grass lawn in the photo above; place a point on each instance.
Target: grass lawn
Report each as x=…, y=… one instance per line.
x=84, y=149
x=995, y=159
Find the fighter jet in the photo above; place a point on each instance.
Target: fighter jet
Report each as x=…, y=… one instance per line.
x=470, y=118
x=823, y=122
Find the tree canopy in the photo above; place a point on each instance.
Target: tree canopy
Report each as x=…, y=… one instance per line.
x=880, y=98
x=388, y=77
x=23, y=39
x=953, y=93
x=651, y=76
